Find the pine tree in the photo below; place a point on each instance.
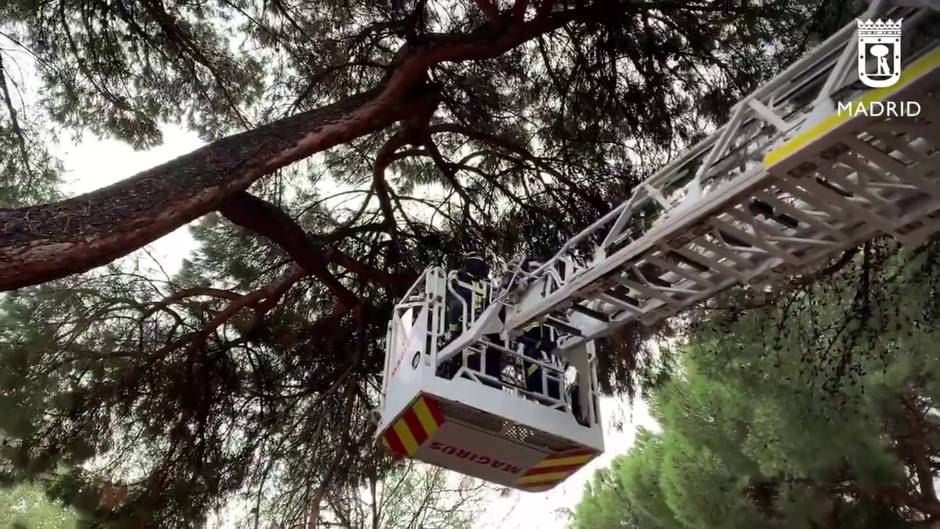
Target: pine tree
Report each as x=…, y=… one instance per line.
x=812, y=411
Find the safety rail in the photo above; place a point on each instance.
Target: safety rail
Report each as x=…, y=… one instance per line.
x=515, y=381
x=480, y=297
x=426, y=296
x=435, y=295
x=475, y=297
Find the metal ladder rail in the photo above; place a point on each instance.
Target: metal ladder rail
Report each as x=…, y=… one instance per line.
x=862, y=188
x=565, y=297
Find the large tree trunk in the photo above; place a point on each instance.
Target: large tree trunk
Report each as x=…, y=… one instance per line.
x=45, y=242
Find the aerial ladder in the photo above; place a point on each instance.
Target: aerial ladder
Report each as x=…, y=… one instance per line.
x=813, y=163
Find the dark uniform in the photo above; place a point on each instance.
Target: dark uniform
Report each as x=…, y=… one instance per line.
x=538, y=344
x=474, y=272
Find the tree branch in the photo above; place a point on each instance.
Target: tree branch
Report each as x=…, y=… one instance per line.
x=449, y=170
x=262, y=300
x=383, y=159
x=49, y=241
x=519, y=7
x=15, y=125
x=269, y=221
x=370, y=273
x=509, y=145
x=917, y=447
x=189, y=293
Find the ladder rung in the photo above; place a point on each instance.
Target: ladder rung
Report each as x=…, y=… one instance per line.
x=614, y=300
x=759, y=207
x=654, y=277
x=683, y=259
x=679, y=271
x=623, y=294
x=832, y=187
x=649, y=291
x=555, y=322
x=591, y=313
x=732, y=240
x=804, y=216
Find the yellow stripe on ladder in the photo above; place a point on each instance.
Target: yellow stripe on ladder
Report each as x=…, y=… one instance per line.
x=541, y=478
x=910, y=74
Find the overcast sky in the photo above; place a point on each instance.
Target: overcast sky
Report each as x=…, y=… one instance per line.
x=95, y=163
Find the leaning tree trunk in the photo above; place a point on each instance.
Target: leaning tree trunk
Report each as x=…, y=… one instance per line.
x=45, y=242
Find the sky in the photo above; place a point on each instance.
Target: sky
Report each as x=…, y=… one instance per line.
x=93, y=163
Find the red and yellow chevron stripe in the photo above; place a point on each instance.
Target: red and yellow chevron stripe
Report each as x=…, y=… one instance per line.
x=414, y=427
x=554, y=469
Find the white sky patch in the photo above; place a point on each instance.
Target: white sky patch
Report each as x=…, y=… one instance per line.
x=95, y=163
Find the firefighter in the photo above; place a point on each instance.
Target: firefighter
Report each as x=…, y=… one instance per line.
x=473, y=272
x=538, y=343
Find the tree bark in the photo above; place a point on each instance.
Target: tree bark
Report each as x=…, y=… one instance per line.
x=45, y=242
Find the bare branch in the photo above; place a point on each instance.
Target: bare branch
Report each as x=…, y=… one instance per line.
x=271, y=222
x=261, y=300
x=509, y=145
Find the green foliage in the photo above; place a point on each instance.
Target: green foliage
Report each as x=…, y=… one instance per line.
x=27, y=507
x=29, y=173
x=811, y=411
x=604, y=503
